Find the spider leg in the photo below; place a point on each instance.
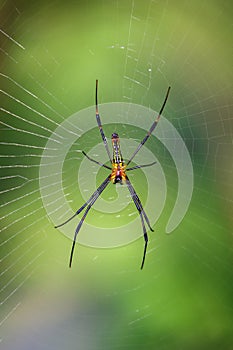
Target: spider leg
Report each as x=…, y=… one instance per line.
x=142, y=214
x=153, y=126
x=95, y=161
x=137, y=200
x=100, y=124
x=77, y=231
x=90, y=200
x=146, y=241
x=140, y=166
x=94, y=197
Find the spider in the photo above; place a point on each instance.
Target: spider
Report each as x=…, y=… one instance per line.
x=117, y=175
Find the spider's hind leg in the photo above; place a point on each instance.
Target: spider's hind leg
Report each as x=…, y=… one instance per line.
x=143, y=217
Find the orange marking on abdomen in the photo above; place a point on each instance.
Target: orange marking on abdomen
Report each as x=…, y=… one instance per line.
x=118, y=170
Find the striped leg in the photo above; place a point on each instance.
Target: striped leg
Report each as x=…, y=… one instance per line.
x=153, y=126
x=95, y=161
x=143, y=216
x=100, y=124
x=91, y=201
x=140, y=166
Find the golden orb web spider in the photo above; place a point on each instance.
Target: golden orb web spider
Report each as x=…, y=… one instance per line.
x=117, y=175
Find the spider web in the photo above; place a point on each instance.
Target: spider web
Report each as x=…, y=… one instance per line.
x=51, y=54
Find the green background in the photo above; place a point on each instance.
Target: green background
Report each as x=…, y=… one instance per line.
x=51, y=54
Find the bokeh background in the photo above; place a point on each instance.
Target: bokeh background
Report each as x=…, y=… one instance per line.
x=50, y=55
